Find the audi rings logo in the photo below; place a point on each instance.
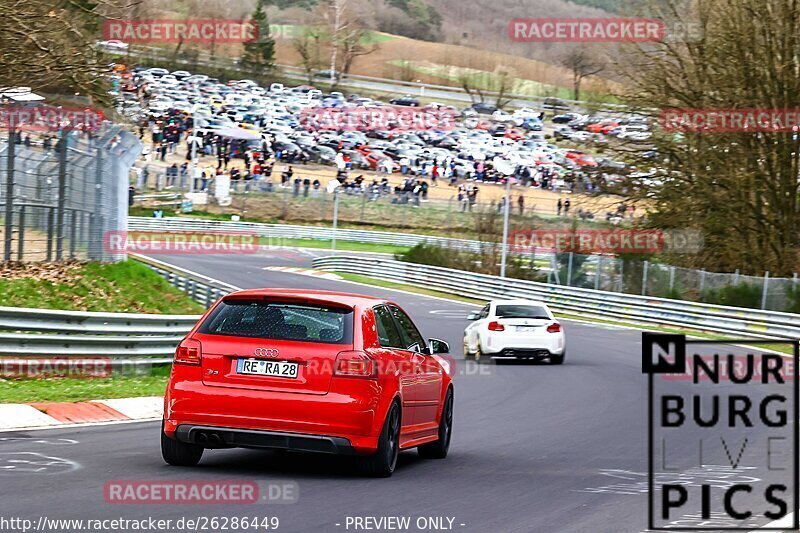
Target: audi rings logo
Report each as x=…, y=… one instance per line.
x=266, y=352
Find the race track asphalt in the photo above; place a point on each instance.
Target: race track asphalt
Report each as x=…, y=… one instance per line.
x=536, y=448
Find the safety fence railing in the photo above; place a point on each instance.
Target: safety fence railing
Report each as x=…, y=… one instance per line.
x=123, y=338
x=286, y=231
x=201, y=289
x=588, y=303
x=62, y=192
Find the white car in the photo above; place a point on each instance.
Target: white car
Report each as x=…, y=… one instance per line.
x=113, y=45
x=521, y=329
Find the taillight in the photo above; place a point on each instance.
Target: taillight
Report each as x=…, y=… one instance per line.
x=496, y=326
x=554, y=328
x=355, y=364
x=188, y=352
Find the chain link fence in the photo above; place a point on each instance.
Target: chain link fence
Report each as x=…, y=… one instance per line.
x=62, y=192
x=666, y=281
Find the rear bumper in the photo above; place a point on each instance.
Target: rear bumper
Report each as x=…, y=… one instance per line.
x=523, y=353
x=217, y=437
x=501, y=345
x=352, y=412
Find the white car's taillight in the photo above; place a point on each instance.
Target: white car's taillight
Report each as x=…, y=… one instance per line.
x=554, y=328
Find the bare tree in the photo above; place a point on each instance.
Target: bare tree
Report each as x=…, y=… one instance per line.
x=50, y=45
x=739, y=188
x=307, y=45
x=582, y=64
x=346, y=34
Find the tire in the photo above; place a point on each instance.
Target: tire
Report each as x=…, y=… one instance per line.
x=438, y=449
x=558, y=359
x=480, y=357
x=467, y=353
x=178, y=453
x=384, y=460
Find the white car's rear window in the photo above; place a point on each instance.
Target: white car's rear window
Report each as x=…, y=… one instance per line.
x=521, y=311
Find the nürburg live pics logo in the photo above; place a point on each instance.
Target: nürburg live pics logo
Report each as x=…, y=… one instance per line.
x=723, y=404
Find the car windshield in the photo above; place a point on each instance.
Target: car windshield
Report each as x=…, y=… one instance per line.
x=281, y=321
x=521, y=311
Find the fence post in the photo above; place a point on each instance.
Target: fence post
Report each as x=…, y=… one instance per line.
x=736, y=277
x=50, y=214
x=95, y=245
x=598, y=271
x=569, y=270
x=644, y=278
x=621, y=285
x=62, y=194
x=702, y=281
x=21, y=234
x=73, y=232
x=9, y=226
x=671, y=278
x=335, y=217
x=764, y=290
x=363, y=205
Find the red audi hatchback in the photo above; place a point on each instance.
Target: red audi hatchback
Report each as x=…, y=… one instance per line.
x=311, y=371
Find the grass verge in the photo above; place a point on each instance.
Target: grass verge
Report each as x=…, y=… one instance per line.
x=351, y=246
x=154, y=383
x=126, y=287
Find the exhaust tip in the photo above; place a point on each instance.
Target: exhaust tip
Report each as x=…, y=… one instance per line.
x=201, y=437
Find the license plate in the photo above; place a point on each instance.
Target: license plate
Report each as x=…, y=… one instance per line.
x=527, y=328
x=260, y=367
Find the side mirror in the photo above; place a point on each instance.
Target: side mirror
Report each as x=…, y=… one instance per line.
x=437, y=346
x=473, y=316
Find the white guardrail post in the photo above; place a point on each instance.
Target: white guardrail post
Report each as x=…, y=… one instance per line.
x=747, y=323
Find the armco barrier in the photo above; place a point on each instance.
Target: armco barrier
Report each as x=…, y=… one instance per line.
x=746, y=323
x=201, y=289
x=126, y=338
x=286, y=231
x=74, y=334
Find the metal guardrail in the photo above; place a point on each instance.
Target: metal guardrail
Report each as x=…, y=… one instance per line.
x=750, y=323
x=286, y=231
x=73, y=334
x=201, y=289
x=128, y=339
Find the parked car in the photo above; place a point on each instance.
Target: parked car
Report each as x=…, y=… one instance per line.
x=555, y=103
x=407, y=101
x=482, y=108
x=312, y=371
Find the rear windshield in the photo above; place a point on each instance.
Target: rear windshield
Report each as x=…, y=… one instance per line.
x=281, y=321
x=521, y=311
